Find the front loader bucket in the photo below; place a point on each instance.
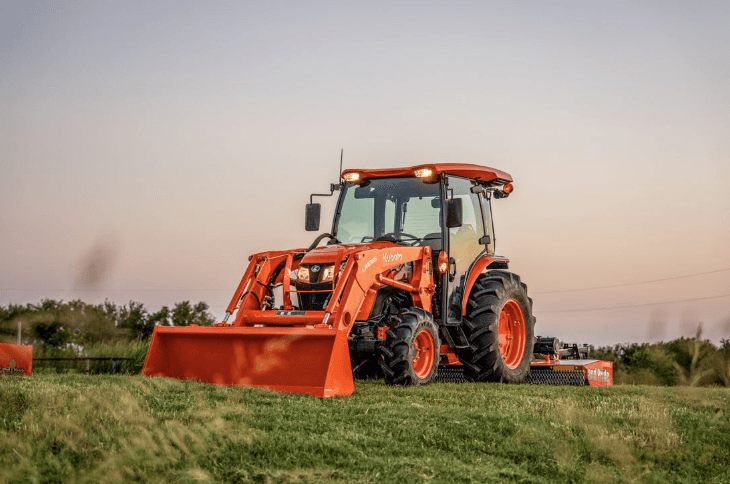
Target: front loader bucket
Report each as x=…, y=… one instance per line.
x=312, y=361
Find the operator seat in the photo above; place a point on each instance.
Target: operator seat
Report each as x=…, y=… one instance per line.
x=433, y=240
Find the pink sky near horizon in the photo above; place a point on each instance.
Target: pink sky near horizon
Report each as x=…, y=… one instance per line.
x=175, y=139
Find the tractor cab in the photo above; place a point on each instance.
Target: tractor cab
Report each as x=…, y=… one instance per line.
x=446, y=207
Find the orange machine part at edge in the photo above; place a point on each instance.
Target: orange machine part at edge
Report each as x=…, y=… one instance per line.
x=16, y=360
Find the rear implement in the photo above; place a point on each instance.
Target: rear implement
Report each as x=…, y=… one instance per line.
x=595, y=373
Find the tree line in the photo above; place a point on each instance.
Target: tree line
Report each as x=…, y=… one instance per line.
x=58, y=324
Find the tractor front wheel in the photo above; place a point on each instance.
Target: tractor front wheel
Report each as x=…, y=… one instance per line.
x=411, y=349
x=500, y=329
x=365, y=367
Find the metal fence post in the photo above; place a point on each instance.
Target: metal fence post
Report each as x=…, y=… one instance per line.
x=20, y=328
x=114, y=367
x=87, y=365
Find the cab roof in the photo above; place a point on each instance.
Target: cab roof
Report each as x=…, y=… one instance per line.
x=484, y=174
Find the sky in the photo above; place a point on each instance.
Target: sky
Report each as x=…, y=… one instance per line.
x=167, y=141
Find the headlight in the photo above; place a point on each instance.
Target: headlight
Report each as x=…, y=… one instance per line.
x=303, y=275
x=329, y=273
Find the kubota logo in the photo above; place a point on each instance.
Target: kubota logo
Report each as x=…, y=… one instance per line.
x=598, y=374
x=12, y=367
x=389, y=257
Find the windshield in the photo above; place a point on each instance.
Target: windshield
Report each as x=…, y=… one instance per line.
x=400, y=209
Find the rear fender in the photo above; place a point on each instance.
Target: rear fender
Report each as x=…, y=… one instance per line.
x=479, y=267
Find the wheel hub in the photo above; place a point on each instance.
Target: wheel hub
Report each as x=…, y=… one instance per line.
x=512, y=334
x=425, y=350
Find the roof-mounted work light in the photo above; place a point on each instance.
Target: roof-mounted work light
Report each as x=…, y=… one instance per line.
x=423, y=172
x=351, y=177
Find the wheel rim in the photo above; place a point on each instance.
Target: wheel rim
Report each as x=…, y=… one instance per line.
x=425, y=354
x=512, y=334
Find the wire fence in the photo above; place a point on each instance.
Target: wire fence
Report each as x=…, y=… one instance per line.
x=106, y=364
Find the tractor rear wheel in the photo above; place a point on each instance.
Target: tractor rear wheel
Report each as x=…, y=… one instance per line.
x=500, y=329
x=411, y=349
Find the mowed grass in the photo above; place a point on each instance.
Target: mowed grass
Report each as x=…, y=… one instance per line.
x=76, y=428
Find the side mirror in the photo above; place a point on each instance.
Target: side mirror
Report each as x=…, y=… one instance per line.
x=311, y=217
x=454, y=214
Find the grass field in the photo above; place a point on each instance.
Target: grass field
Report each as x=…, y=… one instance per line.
x=76, y=428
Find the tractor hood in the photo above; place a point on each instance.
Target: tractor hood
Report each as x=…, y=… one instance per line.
x=330, y=253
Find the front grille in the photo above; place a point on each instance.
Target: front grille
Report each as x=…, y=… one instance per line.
x=313, y=301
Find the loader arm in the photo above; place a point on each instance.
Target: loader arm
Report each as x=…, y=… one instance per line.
x=364, y=271
x=284, y=349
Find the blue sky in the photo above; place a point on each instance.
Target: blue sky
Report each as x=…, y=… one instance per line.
x=179, y=137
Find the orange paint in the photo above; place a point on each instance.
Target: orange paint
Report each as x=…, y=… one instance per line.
x=479, y=266
x=312, y=361
x=512, y=334
x=16, y=360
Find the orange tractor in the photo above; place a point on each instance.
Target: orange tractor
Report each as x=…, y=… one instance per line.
x=408, y=287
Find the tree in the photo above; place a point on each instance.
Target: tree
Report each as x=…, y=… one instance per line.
x=136, y=319
x=52, y=333
x=161, y=317
x=184, y=314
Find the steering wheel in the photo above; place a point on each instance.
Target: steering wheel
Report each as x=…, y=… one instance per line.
x=319, y=239
x=391, y=236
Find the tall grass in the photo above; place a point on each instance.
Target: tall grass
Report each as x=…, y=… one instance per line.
x=135, y=350
x=72, y=428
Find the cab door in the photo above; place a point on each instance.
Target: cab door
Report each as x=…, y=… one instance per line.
x=465, y=243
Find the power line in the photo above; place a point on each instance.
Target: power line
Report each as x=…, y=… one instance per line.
x=632, y=283
x=634, y=305
x=600, y=309
x=228, y=289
